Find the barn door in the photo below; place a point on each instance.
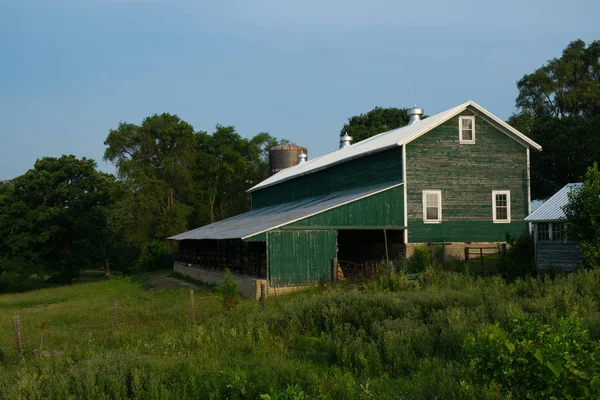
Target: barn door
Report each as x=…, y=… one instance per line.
x=300, y=257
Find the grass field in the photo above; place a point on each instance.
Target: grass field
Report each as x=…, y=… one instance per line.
x=384, y=339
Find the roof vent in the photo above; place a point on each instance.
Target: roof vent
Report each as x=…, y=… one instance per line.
x=415, y=114
x=345, y=141
x=302, y=158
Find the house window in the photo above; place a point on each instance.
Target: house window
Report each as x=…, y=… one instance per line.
x=501, y=206
x=558, y=231
x=543, y=231
x=432, y=206
x=466, y=129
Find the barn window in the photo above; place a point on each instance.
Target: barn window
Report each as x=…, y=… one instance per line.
x=432, y=206
x=466, y=129
x=543, y=231
x=501, y=206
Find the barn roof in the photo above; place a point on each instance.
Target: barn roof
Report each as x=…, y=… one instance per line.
x=551, y=209
x=393, y=138
x=264, y=219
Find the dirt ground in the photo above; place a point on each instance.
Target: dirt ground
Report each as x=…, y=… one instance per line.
x=164, y=281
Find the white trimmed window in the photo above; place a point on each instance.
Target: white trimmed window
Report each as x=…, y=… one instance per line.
x=432, y=206
x=501, y=206
x=466, y=129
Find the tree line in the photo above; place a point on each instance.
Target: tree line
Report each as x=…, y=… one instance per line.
x=64, y=214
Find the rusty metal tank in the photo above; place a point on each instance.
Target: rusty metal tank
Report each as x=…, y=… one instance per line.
x=284, y=156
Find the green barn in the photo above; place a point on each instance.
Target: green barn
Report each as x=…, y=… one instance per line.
x=460, y=177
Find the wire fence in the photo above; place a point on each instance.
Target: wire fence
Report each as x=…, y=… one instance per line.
x=44, y=331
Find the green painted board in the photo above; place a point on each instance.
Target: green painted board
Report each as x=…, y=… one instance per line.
x=385, y=209
x=373, y=169
x=300, y=257
x=466, y=174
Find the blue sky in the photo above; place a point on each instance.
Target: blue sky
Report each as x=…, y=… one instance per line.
x=70, y=70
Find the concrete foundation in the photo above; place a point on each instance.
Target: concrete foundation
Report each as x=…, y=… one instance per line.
x=247, y=285
x=456, y=249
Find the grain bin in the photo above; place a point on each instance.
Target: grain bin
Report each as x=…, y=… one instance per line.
x=284, y=156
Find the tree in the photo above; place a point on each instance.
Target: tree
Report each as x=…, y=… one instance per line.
x=583, y=217
x=565, y=86
x=559, y=107
x=376, y=121
x=155, y=161
x=227, y=165
x=52, y=217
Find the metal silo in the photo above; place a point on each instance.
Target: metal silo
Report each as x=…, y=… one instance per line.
x=284, y=156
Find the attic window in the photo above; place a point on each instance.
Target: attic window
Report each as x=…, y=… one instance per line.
x=466, y=129
x=432, y=206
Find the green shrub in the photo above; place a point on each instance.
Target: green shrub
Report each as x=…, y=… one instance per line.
x=228, y=291
x=420, y=259
x=535, y=361
x=155, y=255
x=518, y=261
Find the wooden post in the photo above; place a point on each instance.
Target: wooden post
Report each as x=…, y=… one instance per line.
x=116, y=315
x=466, y=255
x=192, y=307
x=18, y=334
x=334, y=264
x=387, y=257
x=262, y=297
x=482, y=263
x=503, y=249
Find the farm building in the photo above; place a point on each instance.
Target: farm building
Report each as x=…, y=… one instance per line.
x=552, y=249
x=458, y=177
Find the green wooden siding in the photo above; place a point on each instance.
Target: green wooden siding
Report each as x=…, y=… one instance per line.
x=300, y=257
x=385, y=209
x=373, y=169
x=466, y=174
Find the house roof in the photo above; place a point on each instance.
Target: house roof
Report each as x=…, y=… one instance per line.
x=551, y=209
x=393, y=138
x=265, y=219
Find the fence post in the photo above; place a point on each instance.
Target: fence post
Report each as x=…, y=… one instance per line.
x=18, y=334
x=262, y=297
x=116, y=315
x=192, y=307
x=503, y=249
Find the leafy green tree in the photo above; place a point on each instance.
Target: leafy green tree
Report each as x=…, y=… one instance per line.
x=583, y=216
x=227, y=165
x=565, y=86
x=52, y=217
x=376, y=121
x=559, y=107
x=155, y=162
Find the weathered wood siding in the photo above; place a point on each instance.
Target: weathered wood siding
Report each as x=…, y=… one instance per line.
x=556, y=255
x=300, y=257
x=385, y=209
x=466, y=174
x=365, y=171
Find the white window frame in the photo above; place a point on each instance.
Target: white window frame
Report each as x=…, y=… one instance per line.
x=460, y=129
x=496, y=220
x=439, y=218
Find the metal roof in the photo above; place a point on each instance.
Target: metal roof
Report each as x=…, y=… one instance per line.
x=265, y=219
x=551, y=209
x=386, y=140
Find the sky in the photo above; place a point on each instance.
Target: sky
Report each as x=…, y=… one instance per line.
x=71, y=70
